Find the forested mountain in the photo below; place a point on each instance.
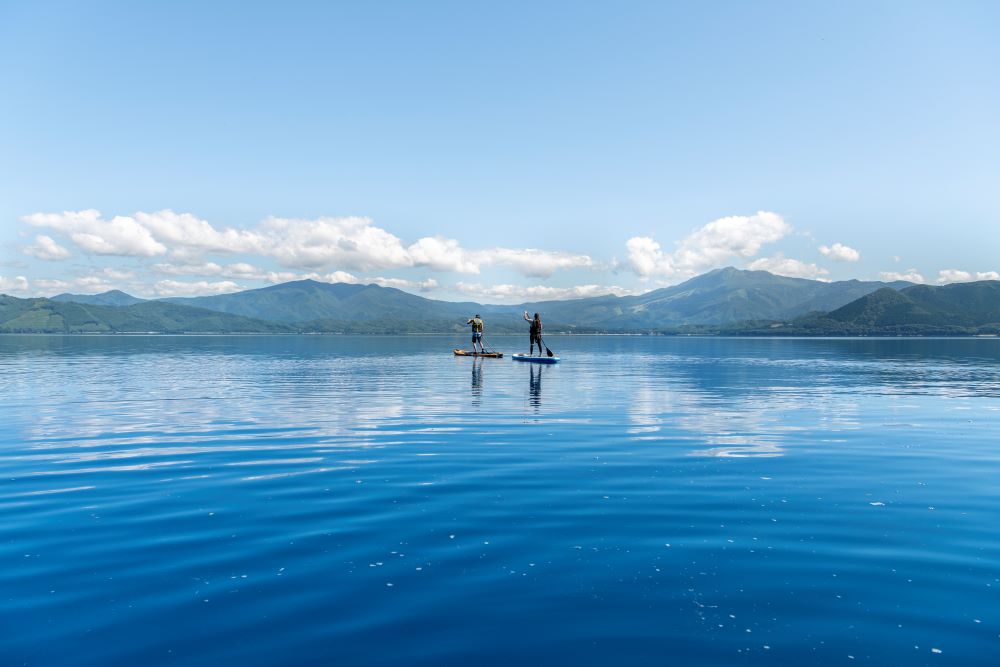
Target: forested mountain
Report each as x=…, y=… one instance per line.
x=49, y=316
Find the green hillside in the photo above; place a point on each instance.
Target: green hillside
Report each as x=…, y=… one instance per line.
x=48, y=316
x=920, y=310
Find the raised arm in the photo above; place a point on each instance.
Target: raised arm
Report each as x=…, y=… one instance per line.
x=526, y=318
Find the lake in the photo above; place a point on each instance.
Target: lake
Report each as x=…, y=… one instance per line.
x=376, y=501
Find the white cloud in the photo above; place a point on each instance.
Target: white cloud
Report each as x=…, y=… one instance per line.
x=533, y=262
x=400, y=283
x=646, y=258
x=956, y=276
x=785, y=266
x=350, y=243
x=16, y=284
x=341, y=243
x=441, y=254
x=203, y=269
x=46, y=248
x=121, y=235
x=189, y=231
x=335, y=277
x=240, y=270
x=840, y=252
x=117, y=274
x=735, y=236
x=910, y=275
x=201, y=287
x=517, y=293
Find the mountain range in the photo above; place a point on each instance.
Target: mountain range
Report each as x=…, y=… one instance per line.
x=718, y=297
x=722, y=301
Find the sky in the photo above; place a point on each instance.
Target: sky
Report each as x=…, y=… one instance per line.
x=496, y=152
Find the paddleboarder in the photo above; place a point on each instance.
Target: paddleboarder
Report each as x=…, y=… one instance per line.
x=535, y=332
x=477, y=333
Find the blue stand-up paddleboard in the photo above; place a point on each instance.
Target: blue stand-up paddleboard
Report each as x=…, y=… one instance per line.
x=535, y=360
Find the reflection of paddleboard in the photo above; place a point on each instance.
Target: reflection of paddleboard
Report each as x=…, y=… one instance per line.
x=466, y=353
x=534, y=360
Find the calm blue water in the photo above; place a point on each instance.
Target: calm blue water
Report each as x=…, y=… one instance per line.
x=330, y=500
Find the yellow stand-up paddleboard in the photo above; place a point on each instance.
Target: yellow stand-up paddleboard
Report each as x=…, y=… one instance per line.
x=466, y=353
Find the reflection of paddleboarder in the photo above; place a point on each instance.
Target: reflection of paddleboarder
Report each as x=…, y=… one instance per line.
x=477, y=381
x=535, y=386
x=535, y=332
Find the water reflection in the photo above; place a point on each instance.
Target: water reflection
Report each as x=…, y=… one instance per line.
x=477, y=381
x=141, y=397
x=535, y=385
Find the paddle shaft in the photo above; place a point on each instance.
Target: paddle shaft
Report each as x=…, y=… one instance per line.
x=547, y=350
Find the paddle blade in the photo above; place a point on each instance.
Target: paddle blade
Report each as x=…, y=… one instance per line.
x=548, y=351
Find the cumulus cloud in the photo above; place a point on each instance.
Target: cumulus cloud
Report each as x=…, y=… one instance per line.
x=121, y=235
x=533, y=262
x=785, y=266
x=735, y=236
x=15, y=284
x=956, y=276
x=441, y=254
x=910, y=275
x=516, y=293
x=344, y=243
x=400, y=283
x=351, y=243
x=46, y=248
x=840, y=252
x=197, y=288
x=335, y=277
x=189, y=231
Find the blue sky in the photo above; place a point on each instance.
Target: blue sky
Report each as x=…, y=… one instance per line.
x=494, y=151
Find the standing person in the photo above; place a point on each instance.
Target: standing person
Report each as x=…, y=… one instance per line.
x=477, y=333
x=535, y=333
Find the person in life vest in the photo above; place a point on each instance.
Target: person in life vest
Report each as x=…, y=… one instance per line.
x=477, y=333
x=535, y=333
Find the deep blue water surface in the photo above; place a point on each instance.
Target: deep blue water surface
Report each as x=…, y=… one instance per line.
x=348, y=501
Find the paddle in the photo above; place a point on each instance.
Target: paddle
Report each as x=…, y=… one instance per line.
x=548, y=352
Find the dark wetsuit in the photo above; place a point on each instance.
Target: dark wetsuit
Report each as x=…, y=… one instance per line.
x=535, y=334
